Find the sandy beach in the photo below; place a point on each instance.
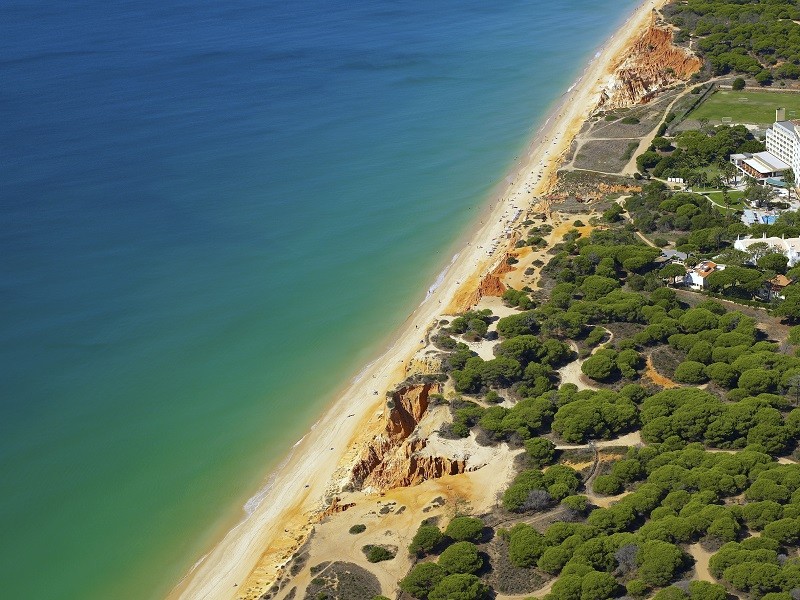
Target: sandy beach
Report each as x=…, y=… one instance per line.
x=254, y=550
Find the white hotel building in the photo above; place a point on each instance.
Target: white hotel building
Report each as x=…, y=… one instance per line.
x=783, y=152
x=783, y=140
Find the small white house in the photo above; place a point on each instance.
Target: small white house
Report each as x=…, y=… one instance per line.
x=696, y=277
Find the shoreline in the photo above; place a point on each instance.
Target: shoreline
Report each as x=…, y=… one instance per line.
x=294, y=493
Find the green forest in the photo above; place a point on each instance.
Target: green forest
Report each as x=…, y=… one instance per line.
x=758, y=38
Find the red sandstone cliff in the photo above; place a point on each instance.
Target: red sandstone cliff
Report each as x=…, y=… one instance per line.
x=392, y=459
x=492, y=284
x=653, y=64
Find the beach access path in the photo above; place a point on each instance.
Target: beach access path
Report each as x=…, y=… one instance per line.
x=246, y=561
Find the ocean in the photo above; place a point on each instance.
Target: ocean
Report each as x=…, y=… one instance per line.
x=213, y=214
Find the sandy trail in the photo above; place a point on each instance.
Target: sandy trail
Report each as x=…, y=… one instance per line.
x=248, y=558
x=701, y=558
x=656, y=377
x=542, y=591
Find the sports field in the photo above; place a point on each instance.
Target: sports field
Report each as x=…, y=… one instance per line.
x=757, y=107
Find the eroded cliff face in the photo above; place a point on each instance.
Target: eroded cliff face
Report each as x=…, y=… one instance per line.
x=394, y=458
x=492, y=284
x=653, y=64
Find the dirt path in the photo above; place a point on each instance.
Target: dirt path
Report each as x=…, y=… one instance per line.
x=641, y=236
x=626, y=215
x=656, y=377
x=571, y=373
x=631, y=167
x=542, y=591
x=543, y=518
x=701, y=558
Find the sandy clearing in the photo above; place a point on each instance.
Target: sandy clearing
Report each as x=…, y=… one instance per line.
x=571, y=373
x=392, y=519
x=484, y=348
x=629, y=439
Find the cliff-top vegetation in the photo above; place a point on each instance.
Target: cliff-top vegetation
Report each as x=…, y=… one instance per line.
x=754, y=37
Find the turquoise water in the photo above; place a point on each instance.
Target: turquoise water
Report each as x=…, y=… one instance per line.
x=212, y=217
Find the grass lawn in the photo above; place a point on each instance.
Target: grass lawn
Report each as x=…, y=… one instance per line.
x=758, y=108
x=736, y=200
x=734, y=195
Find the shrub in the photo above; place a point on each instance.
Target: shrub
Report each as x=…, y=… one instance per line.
x=360, y=528
x=700, y=352
x=597, y=286
x=600, y=366
x=493, y=397
x=425, y=540
x=526, y=492
x=722, y=374
x=595, y=336
x=526, y=545
x=422, y=579
x=608, y=485
x=461, y=587
x=540, y=452
x=757, y=381
x=738, y=84
x=659, y=562
x=691, y=371
x=636, y=588
x=578, y=504
x=553, y=559
x=460, y=558
x=465, y=529
x=628, y=361
x=703, y=590
x=630, y=121
x=377, y=553
x=698, y=319
x=671, y=593
x=597, y=585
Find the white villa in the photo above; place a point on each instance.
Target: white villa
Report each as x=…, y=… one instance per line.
x=789, y=247
x=696, y=278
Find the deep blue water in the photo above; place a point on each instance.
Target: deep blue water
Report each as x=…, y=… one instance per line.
x=212, y=215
